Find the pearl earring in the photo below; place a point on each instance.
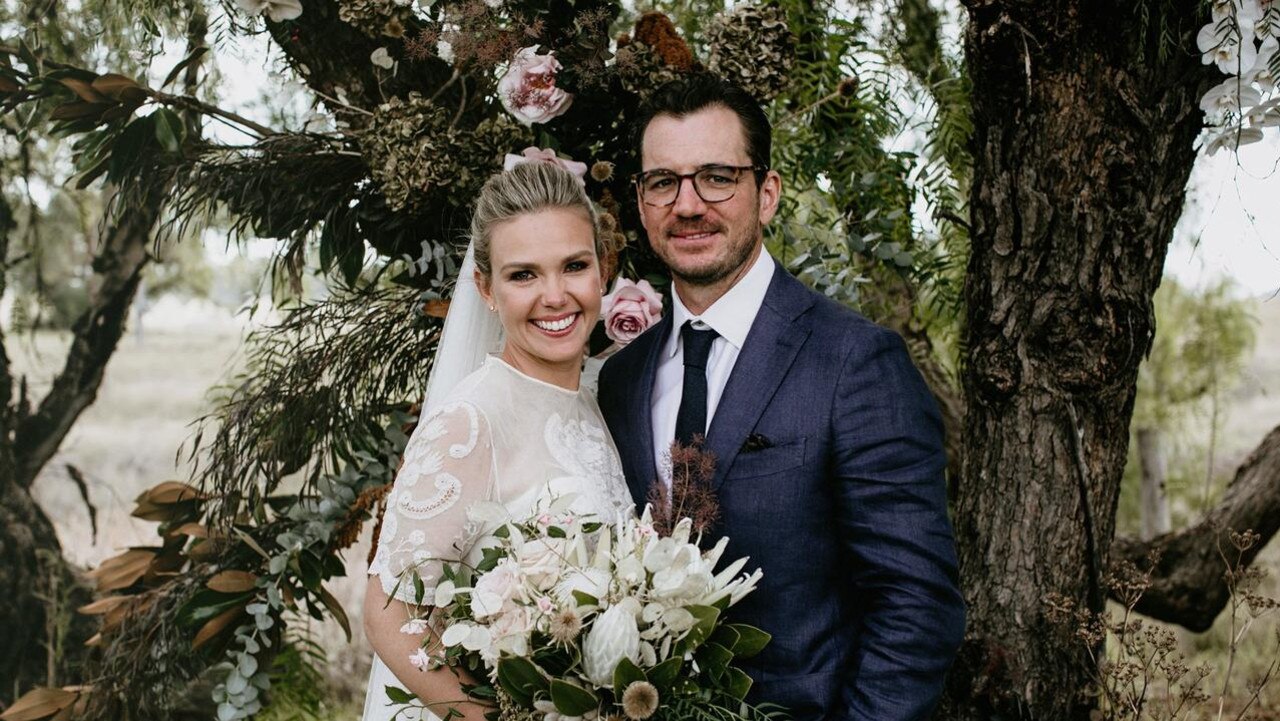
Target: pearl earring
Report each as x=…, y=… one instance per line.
x=492, y=309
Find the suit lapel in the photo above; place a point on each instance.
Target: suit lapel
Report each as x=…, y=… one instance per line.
x=640, y=411
x=771, y=347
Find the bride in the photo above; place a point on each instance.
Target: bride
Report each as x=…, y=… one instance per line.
x=517, y=428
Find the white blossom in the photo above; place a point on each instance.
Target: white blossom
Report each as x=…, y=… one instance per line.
x=1219, y=43
x=277, y=10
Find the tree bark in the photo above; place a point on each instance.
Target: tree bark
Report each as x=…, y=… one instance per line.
x=1083, y=145
x=1154, y=467
x=1188, y=586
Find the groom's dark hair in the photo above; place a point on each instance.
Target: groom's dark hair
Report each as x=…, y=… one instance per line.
x=699, y=90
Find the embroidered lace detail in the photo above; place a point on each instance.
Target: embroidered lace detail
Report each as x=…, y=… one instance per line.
x=450, y=490
x=583, y=449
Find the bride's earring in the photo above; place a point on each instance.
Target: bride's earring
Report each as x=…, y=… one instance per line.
x=492, y=309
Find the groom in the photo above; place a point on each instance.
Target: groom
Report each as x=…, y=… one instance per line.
x=828, y=445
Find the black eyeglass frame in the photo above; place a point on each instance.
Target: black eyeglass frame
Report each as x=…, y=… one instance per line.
x=637, y=180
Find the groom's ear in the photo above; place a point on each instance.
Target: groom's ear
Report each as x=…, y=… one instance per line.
x=770, y=193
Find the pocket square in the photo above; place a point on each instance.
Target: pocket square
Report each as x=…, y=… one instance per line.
x=755, y=442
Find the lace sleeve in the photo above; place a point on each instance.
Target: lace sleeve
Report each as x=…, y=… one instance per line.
x=448, y=467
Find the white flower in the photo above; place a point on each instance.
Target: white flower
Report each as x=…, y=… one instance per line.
x=494, y=589
x=541, y=560
x=420, y=659
x=495, y=4
x=1220, y=43
x=1230, y=95
x=1233, y=137
x=1262, y=67
x=415, y=627
x=613, y=637
x=277, y=10
x=382, y=59
x=591, y=581
x=533, y=154
x=444, y=50
x=511, y=631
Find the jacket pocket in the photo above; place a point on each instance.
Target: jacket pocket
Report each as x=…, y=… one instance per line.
x=767, y=461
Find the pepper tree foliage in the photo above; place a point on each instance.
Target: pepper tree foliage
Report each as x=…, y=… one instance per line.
x=375, y=207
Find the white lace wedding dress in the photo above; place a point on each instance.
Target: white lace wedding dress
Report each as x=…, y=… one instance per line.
x=499, y=436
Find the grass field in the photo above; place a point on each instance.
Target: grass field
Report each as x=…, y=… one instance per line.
x=155, y=387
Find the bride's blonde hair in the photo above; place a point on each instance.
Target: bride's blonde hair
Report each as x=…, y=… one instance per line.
x=527, y=188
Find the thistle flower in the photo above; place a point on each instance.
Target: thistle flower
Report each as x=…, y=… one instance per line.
x=640, y=700
x=848, y=87
x=565, y=625
x=692, y=468
x=602, y=172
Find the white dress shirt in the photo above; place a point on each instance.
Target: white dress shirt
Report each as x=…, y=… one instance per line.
x=731, y=317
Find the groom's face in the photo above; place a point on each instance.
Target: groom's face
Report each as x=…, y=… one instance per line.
x=705, y=243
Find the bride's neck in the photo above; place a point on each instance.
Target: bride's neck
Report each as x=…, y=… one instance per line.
x=565, y=376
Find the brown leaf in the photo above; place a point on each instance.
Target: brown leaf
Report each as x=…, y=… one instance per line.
x=76, y=110
x=118, y=87
x=232, y=581
x=436, y=308
x=7, y=85
x=170, y=492
x=217, y=625
x=207, y=550
x=104, y=605
x=84, y=90
x=38, y=704
x=94, y=640
x=335, y=608
x=123, y=570
x=194, y=530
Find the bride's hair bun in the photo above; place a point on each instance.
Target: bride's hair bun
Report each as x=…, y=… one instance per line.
x=527, y=188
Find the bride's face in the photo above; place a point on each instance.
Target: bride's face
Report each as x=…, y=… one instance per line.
x=545, y=286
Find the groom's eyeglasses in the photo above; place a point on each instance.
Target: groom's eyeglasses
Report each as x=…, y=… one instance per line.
x=713, y=183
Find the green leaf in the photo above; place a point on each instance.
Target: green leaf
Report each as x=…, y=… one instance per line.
x=585, y=599
x=714, y=659
x=738, y=683
x=520, y=679
x=194, y=56
x=666, y=673
x=751, y=640
x=706, y=622
x=625, y=674
x=399, y=695
x=572, y=700
x=555, y=532
x=170, y=131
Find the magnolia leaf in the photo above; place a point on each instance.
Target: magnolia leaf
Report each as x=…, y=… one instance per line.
x=232, y=581
x=38, y=704
x=572, y=700
x=737, y=683
x=194, y=530
x=625, y=674
x=84, y=90
x=7, y=85
x=435, y=308
x=216, y=625
x=751, y=640
x=123, y=570
x=170, y=131
x=335, y=608
x=182, y=64
x=104, y=605
x=77, y=109
x=119, y=88
x=170, y=492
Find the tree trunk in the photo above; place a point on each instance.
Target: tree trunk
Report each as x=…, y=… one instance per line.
x=1154, y=466
x=1083, y=145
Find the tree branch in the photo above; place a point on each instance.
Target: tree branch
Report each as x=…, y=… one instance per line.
x=117, y=270
x=1188, y=587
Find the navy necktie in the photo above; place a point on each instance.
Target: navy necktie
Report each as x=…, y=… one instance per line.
x=691, y=419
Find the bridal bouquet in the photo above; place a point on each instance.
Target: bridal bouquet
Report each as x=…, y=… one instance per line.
x=573, y=618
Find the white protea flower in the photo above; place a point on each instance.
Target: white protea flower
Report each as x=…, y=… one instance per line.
x=1219, y=43
x=613, y=637
x=277, y=10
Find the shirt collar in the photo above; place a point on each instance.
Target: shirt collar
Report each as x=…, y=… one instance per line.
x=733, y=313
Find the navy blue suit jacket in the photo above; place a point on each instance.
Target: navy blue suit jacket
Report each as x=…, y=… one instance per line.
x=845, y=510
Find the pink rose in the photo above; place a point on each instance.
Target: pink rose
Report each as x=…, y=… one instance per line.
x=528, y=89
x=630, y=310
x=547, y=155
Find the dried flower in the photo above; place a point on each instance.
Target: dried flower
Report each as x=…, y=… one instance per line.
x=382, y=59
x=376, y=18
x=640, y=700
x=565, y=625
x=658, y=32
x=413, y=149
x=528, y=89
x=692, y=469
x=602, y=171
x=848, y=87
x=415, y=627
x=608, y=222
x=753, y=47
x=420, y=659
